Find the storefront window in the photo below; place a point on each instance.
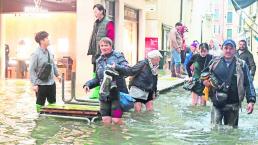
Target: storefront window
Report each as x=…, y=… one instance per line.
x=110, y=7
x=18, y=33
x=131, y=35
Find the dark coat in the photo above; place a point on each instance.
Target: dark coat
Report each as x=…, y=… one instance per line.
x=247, y=56
x=101, y=63
x=143, y=77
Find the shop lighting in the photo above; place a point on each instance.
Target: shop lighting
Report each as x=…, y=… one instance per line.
x=12, y=62
x=63, y=45
x=27, y=62
x=30, y=9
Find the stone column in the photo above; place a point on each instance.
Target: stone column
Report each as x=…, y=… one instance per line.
x=2, y=49
x=85, y=20
x=141, y=35
x=119, y=24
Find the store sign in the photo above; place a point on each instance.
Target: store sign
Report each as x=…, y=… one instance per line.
x=151, y=43
x=131, y=14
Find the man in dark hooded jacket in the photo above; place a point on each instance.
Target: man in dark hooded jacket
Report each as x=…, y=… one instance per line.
x=229, y=83
x=247, y=56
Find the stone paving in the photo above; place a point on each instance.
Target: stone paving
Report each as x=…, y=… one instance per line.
x=166, y=82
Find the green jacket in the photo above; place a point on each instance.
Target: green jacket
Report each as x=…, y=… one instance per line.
x=99, y=31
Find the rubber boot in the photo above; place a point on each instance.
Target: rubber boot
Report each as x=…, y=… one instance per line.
x=95, y=93
x=173, y=72
x=38, y=107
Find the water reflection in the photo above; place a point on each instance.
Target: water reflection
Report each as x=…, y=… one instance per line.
x=174, y=121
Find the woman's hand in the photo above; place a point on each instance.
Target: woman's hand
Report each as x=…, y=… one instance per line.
x=190, y=79
x=86, y=89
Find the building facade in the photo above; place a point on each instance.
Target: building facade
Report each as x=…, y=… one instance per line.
x=70, y=28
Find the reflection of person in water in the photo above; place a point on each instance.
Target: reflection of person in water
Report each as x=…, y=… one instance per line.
x=7, y=50
x=23, y=69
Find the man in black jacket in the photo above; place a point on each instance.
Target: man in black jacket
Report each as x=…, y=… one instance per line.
x=247, y=56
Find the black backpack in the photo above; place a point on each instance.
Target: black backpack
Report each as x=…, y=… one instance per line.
x=45, y=70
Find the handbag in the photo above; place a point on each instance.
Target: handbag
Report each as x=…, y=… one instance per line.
x=220, y=99
x=189, y=85
x=137, y=93
x=126, y=101
x=45, y=70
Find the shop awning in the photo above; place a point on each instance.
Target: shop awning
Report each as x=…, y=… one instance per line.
x=10, y=6
x=241, y=4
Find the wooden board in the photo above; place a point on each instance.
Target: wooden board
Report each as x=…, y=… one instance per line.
x=72, y=107
x=71, y=110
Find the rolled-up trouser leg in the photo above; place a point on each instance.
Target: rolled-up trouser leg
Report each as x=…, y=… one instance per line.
x=173, y=71
x=172, y=66
x=176, y=59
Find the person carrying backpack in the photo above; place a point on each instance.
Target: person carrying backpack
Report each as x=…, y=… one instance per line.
x=230, y=81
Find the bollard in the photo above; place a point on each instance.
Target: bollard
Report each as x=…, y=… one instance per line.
x=63, y=86
x=73, y=84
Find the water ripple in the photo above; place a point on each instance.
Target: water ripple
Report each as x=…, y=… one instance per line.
x=174, y=121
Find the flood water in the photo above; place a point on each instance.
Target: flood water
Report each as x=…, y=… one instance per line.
x=174, y=121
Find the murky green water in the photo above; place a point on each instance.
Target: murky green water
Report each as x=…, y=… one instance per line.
x=174, y=121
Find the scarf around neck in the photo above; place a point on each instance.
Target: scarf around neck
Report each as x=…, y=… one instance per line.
x=154, y=68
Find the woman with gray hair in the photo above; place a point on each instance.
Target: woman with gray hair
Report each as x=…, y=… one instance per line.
x=143, y=86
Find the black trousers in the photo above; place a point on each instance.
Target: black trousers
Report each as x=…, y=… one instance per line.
x=46, y=92
x=229, y=116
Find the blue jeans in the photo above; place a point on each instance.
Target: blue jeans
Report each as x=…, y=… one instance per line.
x=175, y=63
x=175, y=57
